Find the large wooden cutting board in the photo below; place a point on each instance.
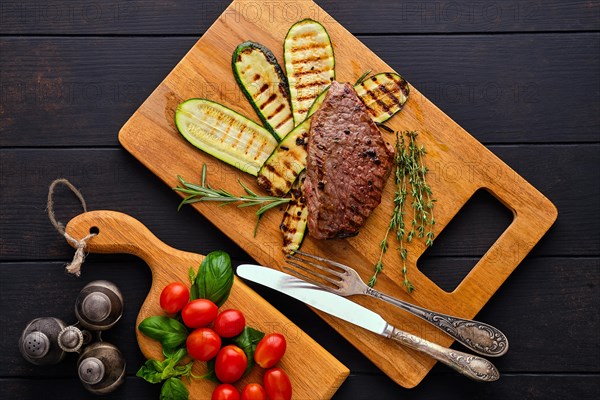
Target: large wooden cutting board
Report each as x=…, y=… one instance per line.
x=459, y=166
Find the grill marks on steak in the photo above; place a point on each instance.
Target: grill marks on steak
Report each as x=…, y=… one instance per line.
x=348, y=164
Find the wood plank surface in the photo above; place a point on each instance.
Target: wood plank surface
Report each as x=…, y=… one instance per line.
x=111, y=178
x=454, y=52
x=358, y=387
x=542, y=284
x=151, y=137
x=61, y=80
x=377, y=16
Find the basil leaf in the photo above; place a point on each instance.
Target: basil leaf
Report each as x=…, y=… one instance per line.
x=211, y=375
x=191, y=275
x=214, y=279
x=170, y=362
x=184, y=370
x=168, y=371
x=194, y=292
x=175, y=355
x=155, y=371
x=168, y=331
x=247, y=341
x=172, y=370
x=151, y=371
x=174, y=389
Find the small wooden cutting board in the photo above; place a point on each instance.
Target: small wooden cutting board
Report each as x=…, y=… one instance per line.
x=314, y=373
x=459, y=166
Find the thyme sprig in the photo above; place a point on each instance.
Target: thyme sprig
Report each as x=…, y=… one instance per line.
x=410, y=171
x=205, y=192
x=422, y=203
x=397, y=220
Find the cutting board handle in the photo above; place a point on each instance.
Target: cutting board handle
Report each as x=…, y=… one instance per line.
x=121, y=233
x=530, y=210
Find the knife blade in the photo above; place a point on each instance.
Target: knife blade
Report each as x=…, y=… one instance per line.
x=469, y=365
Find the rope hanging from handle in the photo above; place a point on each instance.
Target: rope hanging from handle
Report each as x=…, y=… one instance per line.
x=74, y=267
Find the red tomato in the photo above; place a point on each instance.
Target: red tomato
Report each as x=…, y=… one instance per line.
x=254, y=391
x=277, y=384
x=270, y=350
x=230, y=364
x=225, y=392
x=230, y=323
x=203, y=344
x=174, y=297
x=199, y=313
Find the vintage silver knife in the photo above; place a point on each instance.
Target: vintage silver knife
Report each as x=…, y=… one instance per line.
x=469, y=365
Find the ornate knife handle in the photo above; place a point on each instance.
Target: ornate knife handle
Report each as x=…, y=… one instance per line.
x=477, y=336
x=474, y=367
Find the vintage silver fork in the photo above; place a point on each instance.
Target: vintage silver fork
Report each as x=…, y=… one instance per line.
x=478, y=336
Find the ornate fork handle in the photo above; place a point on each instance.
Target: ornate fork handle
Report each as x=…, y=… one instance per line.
x=474, y=367
x=478, y=336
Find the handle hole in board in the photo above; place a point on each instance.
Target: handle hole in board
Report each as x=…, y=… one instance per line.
x=466, y=238
x=94, y=230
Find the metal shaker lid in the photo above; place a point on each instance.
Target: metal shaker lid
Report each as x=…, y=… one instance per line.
x=38, y=341
x=36, y=344
x=101, y=368
x=91, y=370
x=70, y=339
x=96, y=306
x=99, y=305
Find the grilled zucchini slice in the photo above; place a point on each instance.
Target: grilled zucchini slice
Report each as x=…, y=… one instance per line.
x=225, y=134
x=383, y=94
x=262, y=81
x=309, y=64
x=295, y=219
x=317, y=103
x=287, y=162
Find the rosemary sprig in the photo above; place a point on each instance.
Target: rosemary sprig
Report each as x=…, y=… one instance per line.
x=385, y=127
x=204, y=192
x=362, y=78
x=410, y=171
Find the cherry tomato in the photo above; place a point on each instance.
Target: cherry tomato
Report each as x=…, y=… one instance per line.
x=174, y=297
x=270, y=350
x=225, y=391
x=277, y=384
x=199, y=313
x=229, y=323
x=254, y=391
x=230, y=364
x=203, y=344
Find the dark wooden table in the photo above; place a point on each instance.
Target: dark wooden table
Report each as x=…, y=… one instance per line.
x=521, y=76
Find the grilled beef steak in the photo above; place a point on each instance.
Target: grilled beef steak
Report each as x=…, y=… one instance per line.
x=348, y=164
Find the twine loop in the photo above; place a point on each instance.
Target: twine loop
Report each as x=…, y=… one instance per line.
x=74, y=267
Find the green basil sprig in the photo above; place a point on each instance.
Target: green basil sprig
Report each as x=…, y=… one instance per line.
x=155, y=371
x=174, y=389
x=214, y=279
x=168, y=331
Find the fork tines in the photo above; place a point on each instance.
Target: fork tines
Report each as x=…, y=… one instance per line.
x=321, y=259
x=306, y=260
